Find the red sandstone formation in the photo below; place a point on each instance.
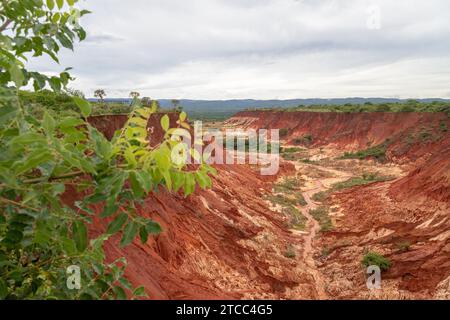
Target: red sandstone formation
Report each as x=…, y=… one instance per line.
x=226, y=242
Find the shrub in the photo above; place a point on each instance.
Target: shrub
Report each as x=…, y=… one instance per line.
x=320, y=196
x=376, y=259
x=284, y=132
x=321, y=215
x=290, y=252
x=306, y=139
x=404, y=246
x=359, y=181
x=378, y=152
x=301, y=200
x=291, y=150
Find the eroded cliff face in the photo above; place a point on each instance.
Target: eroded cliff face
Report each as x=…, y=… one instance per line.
x=229, y=243
x=409, y=136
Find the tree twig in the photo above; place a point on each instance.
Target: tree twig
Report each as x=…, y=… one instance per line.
x=18, y=204
x=5, y=25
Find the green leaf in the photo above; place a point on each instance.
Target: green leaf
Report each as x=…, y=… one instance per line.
x=178, y=180
x=109, y=210
x=28, y=138
x=48, y=123
x=183, y=116
x=55, y=84
x=125, y=283
x=167, y=179
x=165, y=122
x=117, y=223
x=69, y=246
x=60, y=4
x=3, y=289
x=70, y=122
x=50, y=4
x=129, y=233
x=16, y=75
x=84, y=106
x=139, y=292
x=80, y=235
x=189, y=184
x=33, y=161
x=43, y=233
x=153, y=227
x=120, y=293
x=145, y=179
x=102, y=146
x=136, y=185
x=203, y=179
x=143, y=233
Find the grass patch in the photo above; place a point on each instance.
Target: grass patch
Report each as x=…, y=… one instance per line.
x=366, y=178
x=306, y=139
x=295, y=217
x=290, y=252
x=291, y=153
x=425, y=135
x=403, y=246
x=443, y=126
x=309, y=161
x=376, y=259
x=282, y=200
x=291, y=150
x=297, y=220
x=321, y=215
x=320, y=196
x=288, y=197
x=288, y=185
x=300, y=199
x=378, y=152
x=283, y=132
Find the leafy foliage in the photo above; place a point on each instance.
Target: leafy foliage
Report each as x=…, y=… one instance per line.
x=43, y=230
x=376, y=259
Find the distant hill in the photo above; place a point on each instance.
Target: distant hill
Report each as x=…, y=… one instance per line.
x=220, y=109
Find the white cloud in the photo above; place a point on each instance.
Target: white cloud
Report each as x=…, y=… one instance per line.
x=220, y=49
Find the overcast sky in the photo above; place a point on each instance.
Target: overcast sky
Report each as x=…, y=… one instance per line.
x=263, y=49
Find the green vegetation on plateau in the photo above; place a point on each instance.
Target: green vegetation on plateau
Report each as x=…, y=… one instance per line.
x=408, y=106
